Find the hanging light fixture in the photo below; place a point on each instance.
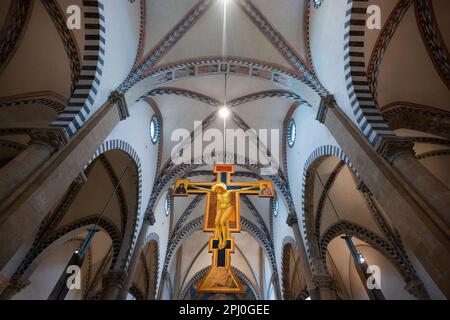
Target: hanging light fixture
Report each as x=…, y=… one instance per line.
x=224, y=112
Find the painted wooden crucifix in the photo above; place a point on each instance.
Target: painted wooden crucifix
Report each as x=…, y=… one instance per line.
x=223, y=218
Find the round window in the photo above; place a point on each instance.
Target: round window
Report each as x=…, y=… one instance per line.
x=168, y=206
x=154, y=129
x=291, y=133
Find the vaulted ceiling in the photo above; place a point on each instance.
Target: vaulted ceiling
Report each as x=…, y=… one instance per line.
x=262, y=57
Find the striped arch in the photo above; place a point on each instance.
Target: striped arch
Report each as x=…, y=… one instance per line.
x=67, y=38
x=143, y=22
x=213, y=65
x=13, y=30
x=86, y=89
x=266, y=94
x=12, y=145
x=385, y=37
x=231, y=65
x=407, y=115
x=125, y=147
x=313, y=162
x=306, y=24
x=432, y=38
x=161, y=91
x=364, y=105
x=104, y=223
x=155, y=275
x=45, y=99
x=199, y=275
x=365, y=235
x=434, y=153
x=288, y=243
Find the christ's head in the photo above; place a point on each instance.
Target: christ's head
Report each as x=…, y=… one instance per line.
x=220, y=188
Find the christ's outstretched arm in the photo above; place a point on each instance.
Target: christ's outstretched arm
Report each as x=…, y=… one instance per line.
x=200, y=188
x=256, y=186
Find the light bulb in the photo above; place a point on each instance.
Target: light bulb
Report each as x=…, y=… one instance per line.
x=224, y=112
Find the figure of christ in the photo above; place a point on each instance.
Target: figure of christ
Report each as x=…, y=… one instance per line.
x=224, y=209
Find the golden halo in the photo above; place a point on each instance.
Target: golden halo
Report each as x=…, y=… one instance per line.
x=219, y=185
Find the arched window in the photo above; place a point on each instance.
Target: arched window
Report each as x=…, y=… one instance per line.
x=154, y=129
x=291, y=133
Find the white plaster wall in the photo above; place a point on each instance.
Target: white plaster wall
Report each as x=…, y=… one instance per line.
x=310, y=135
x=135, y=130
x=161, y=228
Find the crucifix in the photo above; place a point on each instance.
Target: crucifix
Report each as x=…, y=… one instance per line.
x=222, y=218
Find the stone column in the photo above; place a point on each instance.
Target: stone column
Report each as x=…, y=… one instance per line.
x=399, y=152
x=43, y=144
x=25, y=208
x=112, y=284
x=149, y=220
x=292, y=222
x=420, y=216
x=413, y=284
x=323, y=283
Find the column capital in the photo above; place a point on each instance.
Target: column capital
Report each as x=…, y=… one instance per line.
x=416, y=288
x=81, y=178
x=326, y=103
x=114, y=279
x=149, y=218
x=391, y=147
x=291, y=220
x=18, y=284
x=119, y=100
x=322, y=281
x=3, y=282
x=51, y=138
x=362, y=187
